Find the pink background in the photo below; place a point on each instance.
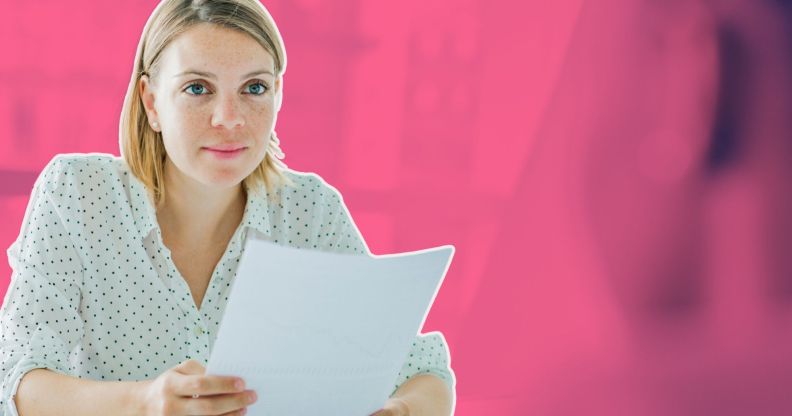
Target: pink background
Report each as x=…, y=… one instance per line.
x=614, y=175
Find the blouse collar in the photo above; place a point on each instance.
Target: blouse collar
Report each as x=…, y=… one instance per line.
x=256, y=213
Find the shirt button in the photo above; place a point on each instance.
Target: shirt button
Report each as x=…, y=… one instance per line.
x=198, y=331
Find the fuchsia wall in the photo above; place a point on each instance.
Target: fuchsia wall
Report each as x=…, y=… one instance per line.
x=614, y=175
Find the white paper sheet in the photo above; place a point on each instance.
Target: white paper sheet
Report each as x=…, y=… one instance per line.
x=318, y=333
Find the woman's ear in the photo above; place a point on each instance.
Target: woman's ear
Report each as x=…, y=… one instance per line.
x=148, y=96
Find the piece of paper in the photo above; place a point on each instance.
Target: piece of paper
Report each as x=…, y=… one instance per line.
x=319, y=333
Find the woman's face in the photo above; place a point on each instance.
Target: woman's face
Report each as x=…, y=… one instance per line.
x=214, y=101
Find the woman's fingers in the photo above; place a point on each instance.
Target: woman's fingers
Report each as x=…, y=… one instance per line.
x=191, y=381
x=190, y=385
x=239, y=412
x=186, y=390
x=217, y=405
x=209, y=395
x=393, y=407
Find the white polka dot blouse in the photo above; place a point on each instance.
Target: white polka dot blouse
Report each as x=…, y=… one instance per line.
x=95, y=293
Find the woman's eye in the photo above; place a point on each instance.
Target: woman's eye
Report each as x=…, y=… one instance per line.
x=257, y=88
x=195, y=89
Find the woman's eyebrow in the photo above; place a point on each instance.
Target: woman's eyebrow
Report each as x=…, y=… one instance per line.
x=212, y=76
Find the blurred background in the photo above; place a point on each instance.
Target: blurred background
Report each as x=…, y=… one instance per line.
x=615, y=176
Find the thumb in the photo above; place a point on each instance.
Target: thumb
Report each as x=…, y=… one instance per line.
x=190, y=367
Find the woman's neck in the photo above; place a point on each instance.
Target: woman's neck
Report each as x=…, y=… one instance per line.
x=193, y=212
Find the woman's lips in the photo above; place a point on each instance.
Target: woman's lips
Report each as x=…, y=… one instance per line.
x=225, y=152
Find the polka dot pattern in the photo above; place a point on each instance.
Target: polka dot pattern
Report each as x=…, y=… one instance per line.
x=95, y=293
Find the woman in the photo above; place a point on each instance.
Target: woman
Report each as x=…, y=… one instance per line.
x=123, y=265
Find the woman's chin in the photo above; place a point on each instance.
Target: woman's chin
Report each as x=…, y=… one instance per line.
x=223, y=179
x=223, y=175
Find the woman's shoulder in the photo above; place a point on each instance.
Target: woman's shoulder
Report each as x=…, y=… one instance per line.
x=86, y=172
x=310, y=185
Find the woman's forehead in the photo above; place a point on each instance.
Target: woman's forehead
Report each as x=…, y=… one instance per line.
x=215, y=50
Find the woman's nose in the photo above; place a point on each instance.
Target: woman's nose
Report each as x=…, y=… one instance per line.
x=227, y=113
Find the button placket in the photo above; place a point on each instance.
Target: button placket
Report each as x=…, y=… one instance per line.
x=198, y=331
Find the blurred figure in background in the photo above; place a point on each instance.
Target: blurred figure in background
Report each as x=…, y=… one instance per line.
x=655, y=211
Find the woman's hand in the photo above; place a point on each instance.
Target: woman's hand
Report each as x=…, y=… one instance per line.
x=393, y=407
x=185, y=390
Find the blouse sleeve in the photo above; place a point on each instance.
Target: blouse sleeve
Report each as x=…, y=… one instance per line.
x=429, y=352
x=39, y=319
x=338, y=233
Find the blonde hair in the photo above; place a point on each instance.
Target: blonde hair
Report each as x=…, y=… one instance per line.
x=142, y=147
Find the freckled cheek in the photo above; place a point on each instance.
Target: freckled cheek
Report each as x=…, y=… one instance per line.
x=191, y=116
x=260, y=110
x=260, y=120
x=194, y=113
x=186, y=127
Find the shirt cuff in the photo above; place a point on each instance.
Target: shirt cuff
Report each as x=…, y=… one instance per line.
x=14, y=377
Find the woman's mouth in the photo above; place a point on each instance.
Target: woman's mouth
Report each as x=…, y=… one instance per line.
x=225, y=152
